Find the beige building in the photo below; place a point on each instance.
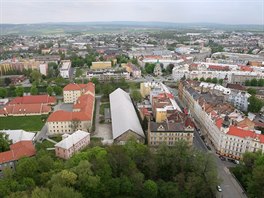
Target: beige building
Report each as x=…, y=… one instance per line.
x=101, y=65
x=73, y=91
x=177, y=127
x=71, y=144
x=218, y=122
x=81, y=117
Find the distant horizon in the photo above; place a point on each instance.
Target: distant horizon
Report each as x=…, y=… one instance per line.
x=228, y=12
x=123, y=22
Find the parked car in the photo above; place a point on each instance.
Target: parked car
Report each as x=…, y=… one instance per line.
x=209, y=148
x=222, y=158
x=219, y=189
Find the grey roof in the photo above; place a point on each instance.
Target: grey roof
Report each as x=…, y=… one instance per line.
x=72, y=139
x=124, y=116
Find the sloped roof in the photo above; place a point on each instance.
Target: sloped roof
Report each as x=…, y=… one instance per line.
x=123, y=114
x=72, y=139
x=25, y=109
x=85, y=107
x=37, y=99
x=74, y=87
x=239, y=132
x=17, y=151
x=19, y=135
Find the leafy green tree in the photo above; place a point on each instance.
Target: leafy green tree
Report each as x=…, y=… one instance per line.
x=107, y=89
x=57, y=90
x=247, y=83
x=202, y=79
x=220, y=81
x=214, y=80
x=27, y=167
x=79, y=72
x=50, y=90
x=136, y=95
x=168, y=189
x=208, y=80
x=255, y=104
x=256, y=182
x=40, y=193
x=261, y=82
x=34, y=90
x=254, y=82
x=45, y=163
x=4, y=142
x=252, y=91
x=195, y=79
x=19, y=91
x=150, y=189
x=36, y=76
x=149, y=68
x=95, y=80
x=3, y=92
x=63, y=178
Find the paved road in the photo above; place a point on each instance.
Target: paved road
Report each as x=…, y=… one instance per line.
x=42, y=134
x=229, y=185
x=103, y=131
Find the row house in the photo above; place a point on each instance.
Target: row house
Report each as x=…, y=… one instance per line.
x=230, y=133
x=176, y=127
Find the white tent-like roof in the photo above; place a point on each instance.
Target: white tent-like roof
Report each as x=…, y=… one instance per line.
x=19, y=135
x=124, y=116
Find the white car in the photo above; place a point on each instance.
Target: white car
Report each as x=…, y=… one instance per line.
x=219, y=188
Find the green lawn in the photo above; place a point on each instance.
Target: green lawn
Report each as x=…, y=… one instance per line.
x=27, y=123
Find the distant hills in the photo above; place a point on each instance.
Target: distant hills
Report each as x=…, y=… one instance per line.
x=71, y=27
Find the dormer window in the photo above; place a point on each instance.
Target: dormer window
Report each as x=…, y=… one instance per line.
x=161, y=128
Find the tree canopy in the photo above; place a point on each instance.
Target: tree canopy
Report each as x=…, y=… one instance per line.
x=131, y=170
x=250, y=173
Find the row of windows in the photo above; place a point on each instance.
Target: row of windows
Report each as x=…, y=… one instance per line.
x=171, y=134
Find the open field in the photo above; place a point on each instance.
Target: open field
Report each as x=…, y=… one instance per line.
x=27, y=123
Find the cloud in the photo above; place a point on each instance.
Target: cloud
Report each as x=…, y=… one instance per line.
x=185, y=11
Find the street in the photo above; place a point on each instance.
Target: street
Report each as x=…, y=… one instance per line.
x=229, y=185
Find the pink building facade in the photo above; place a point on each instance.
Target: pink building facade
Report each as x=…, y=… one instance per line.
x=71, y=144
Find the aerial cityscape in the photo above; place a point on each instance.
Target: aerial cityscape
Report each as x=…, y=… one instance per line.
x=121, y=98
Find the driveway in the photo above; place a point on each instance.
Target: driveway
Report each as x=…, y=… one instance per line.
x=103, y=131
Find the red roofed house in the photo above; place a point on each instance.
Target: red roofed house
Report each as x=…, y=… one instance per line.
x=73, y=91
x=218, y=68
x=83, y=97
x=17, y=151
x=239, y=141
x=28, y=105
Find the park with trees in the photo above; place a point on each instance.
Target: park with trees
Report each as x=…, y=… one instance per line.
x=131, y=170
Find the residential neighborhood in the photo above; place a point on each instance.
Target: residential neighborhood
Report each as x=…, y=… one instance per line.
x=131, y=109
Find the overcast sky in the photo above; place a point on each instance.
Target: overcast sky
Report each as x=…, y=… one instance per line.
x=178, y=11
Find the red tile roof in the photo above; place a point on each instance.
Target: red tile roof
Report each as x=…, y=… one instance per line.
x=82, y=87
x=25, y=109
x=219, y=123
x=17, y=151
x=239, y=132
x=83, y=108
x=246, y=68
x=38, y=99
x=219, y=68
